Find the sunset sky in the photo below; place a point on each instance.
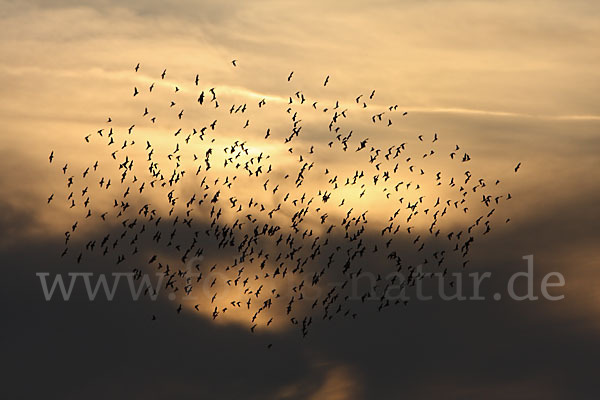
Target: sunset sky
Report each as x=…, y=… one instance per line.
x=510, y=81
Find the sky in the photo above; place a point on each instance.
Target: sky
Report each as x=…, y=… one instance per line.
x=511, y=81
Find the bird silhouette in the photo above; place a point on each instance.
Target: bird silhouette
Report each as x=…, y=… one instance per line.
x=272, y=224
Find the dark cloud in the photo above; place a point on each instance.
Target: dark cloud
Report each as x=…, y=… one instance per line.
x=451, y=349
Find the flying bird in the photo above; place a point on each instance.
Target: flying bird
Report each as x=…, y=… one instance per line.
x=184, y=198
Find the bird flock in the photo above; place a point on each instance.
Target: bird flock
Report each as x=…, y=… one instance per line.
x=246, y=209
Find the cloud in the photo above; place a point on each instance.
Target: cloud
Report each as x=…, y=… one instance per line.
x=510, y=81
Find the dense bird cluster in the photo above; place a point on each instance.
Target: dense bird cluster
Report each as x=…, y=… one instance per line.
x=281, y=227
